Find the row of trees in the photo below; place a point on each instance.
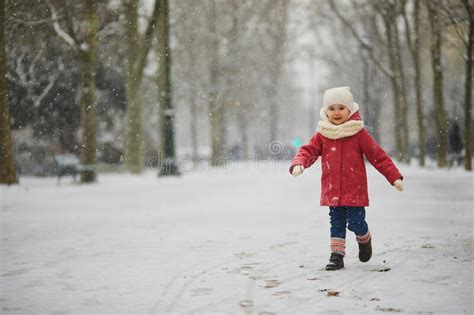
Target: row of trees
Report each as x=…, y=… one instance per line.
x=224, y=66
x=76, y=28
x=234, y=74
x=397, y=38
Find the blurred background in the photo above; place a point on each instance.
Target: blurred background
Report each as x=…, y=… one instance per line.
x=123, y=85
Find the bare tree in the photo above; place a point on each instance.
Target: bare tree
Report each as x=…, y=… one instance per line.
x=88, y=56
x=438, y=96
x=188, y=57
x=412, y=33
x=216, y=108
x=231, y=64
x=81, y=36
x=460, y=16
x=7, y=161
x=461, y=13
x=138, y=47
x=468, y=87
x=278, y=35
x=344, y=50
x=389, y=10
x=242, y=79
x=229, y=32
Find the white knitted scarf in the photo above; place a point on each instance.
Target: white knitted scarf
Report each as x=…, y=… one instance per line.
x=346, y=129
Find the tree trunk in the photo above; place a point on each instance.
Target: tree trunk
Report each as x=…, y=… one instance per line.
x=440, y=116
x=215, y=112
x=193, y=95
x=134, y=151
x=403, y=107
x=88, y=112
x=396, y=86
x=414, y=46
x=280, y=41
x=138, y=48
x=243, y=122
x=375, y=101
x=468, y=89
x=134, y=142
x=7, y=161
x=375, y=76
x=389, y=11
x=194, y=121
x=168, y=157
x=365, y=87
x=418, y=78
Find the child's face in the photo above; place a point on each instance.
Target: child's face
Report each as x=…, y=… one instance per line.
x=338, y=114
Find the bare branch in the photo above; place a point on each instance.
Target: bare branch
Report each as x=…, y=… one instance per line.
x=455, y=45
x=408, y=31
x=31, y=69
x=469, y=8
x=61, y=33
x=147, y=37
x=359, y=39
x=455, y=21
x=29, y=78
x=109, y=30
x=19, y=70
x=52, y=79
x=33, y=23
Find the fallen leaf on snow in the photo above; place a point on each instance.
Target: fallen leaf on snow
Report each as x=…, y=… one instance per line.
x=271, y=284
x=332, y=293
x=246, y=303
x=388, y=309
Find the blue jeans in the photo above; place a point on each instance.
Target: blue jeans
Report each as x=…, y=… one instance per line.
x=352, y=217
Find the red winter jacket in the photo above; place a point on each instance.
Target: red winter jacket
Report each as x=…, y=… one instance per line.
x=344, y=179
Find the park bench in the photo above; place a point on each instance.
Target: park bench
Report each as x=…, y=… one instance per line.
x=69, y=165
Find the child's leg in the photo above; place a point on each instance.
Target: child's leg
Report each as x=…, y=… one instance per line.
x=338, y=220
x=357, y=224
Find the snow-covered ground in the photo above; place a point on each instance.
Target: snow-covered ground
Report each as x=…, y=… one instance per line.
x=245, y=239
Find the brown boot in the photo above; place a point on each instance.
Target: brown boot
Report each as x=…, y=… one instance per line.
x=365, y=251
x=365, y=246
x=336, y=262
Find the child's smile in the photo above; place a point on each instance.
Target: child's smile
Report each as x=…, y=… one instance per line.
x=338, y=114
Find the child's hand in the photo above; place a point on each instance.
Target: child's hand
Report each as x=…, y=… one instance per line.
x=297, y=170
x=398, y=184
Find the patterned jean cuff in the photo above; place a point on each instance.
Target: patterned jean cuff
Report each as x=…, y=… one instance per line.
x=364, y=238
x=338, y=245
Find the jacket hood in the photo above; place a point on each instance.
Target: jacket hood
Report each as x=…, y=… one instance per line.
x=355, y=116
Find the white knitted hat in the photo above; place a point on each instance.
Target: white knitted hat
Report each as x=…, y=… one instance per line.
x=339, y=95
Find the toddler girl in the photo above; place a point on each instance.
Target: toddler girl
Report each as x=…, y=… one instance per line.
x=341, y=142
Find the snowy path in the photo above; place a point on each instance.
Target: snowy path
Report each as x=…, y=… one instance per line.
x=250, y=240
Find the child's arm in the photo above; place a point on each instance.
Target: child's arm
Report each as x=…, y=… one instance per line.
x=307, y=154
x=379, y=159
